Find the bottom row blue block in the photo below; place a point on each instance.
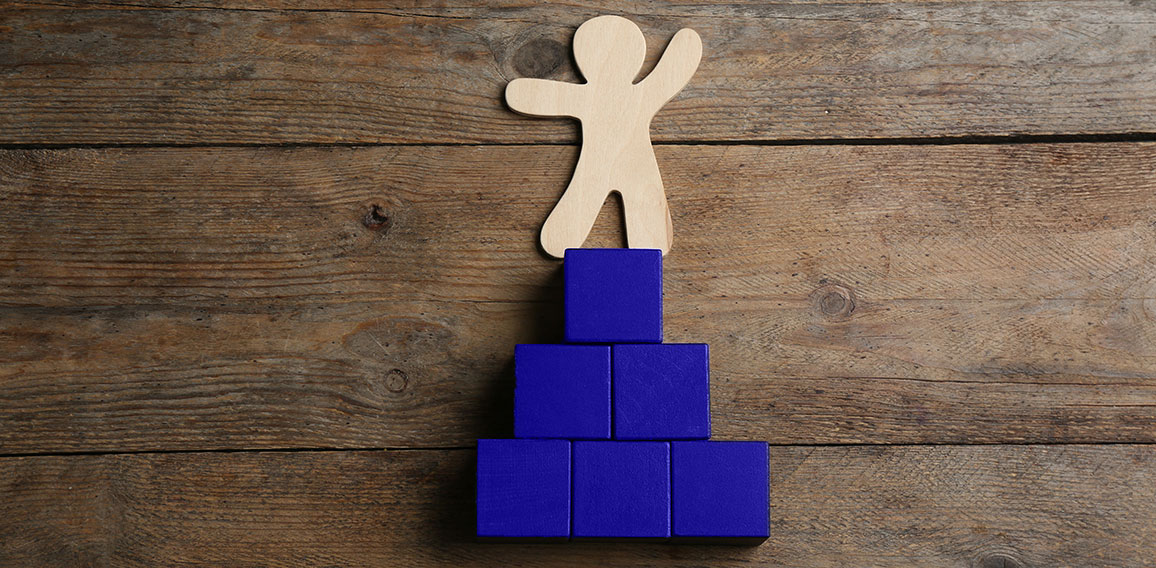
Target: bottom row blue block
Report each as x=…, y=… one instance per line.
x=524, y=489
x=527, y=489
x=621, y=490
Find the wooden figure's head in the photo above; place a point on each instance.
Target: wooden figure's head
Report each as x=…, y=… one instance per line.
x=609, y=48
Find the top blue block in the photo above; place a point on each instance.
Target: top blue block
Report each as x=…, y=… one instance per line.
x=613, y=295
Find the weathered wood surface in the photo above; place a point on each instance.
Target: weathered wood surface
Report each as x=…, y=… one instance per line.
x=247, y=228
x=440, y=374
x=362, y=72
x=970, y=506
x=182, y=299
x=346, y=298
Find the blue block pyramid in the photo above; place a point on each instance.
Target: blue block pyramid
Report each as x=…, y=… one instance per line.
x=612, y=428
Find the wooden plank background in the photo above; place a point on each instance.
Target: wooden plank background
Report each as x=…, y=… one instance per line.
x=395, y=72
x=263, y=264
x=887, y=506
x=1005, y=295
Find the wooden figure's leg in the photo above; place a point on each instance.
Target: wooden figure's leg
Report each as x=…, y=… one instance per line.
x=574, y=215
x=648, y=222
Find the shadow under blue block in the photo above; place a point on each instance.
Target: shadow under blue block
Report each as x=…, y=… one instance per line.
x=562, y=391
x=523, y=489
x=621, y=490
x=661, y=391
x=720, y=492
x=613, y=295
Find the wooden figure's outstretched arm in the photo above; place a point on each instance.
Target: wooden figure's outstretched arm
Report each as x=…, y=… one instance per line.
x=542, y=97
x=675, y=68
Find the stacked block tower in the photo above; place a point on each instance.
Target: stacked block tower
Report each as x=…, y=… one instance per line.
x=612, y=428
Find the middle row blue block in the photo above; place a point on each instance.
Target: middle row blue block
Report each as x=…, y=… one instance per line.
x=562, y=391
x=659, y=391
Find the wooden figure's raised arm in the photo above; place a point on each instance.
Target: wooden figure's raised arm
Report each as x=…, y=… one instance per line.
x=675, y=68
x=542, y=97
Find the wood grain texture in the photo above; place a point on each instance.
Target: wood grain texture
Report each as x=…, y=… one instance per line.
x=441, y=374
x=272, y=298
x=371, y=72
x=245, y=228
x=974, y=506
x=368, y=294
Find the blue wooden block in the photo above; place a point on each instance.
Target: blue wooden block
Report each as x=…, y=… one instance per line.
x=621, y=490
x=562, y=391
x=661, y=392
x=720, y=490
x=613, y=295
x=523, y=489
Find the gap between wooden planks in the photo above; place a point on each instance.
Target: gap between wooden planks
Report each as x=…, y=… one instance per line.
x=357, y=72
x=896, y=506
x=236, y=298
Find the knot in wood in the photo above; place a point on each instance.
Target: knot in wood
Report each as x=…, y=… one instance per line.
x=998, y=560
x=396, y=381
x=833, y=300
x=538, y=58
x=376, y=219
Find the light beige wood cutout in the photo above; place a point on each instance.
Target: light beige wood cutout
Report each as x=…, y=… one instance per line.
x=615, y=113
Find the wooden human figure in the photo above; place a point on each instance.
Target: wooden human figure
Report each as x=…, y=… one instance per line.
x=615, y=113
